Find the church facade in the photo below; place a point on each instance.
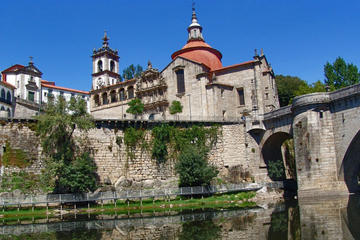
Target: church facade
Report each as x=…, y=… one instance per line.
x=195, y=77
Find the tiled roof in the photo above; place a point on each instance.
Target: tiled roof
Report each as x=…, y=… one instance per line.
x=63, y=88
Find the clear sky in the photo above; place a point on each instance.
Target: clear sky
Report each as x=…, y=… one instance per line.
x=298, y=36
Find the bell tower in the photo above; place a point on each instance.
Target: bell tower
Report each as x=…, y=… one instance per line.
x=105, y=65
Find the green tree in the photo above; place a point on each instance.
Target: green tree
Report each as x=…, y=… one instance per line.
x=341, y=74
x=68, y=165
x=136, y=107
x=175, y=107
x=193, y=167
x=311, y=88
x=132, y=71
x=276, y=170
x=287, y=87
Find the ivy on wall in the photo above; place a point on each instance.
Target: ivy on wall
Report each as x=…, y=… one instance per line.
x=15, y=157
x=169, y=141
x=133, y=138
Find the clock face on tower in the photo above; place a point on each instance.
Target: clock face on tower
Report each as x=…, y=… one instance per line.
x=100, y=82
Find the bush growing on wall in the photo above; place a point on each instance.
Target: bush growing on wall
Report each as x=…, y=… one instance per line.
x=193, y=167
x=68, y=167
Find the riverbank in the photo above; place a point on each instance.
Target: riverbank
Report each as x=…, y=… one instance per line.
x=130, y=207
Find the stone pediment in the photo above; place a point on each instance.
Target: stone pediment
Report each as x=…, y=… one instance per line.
x=150, y=74
x=31, y=86
x=31, y=70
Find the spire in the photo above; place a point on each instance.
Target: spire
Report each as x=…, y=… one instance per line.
x=105, y=39
x=194, y=29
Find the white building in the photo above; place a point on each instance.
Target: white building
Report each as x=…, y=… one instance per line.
x=6, y=99
x=50, y=90
x=30, y=90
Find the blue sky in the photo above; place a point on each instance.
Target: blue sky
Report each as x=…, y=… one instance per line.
x=298, y=36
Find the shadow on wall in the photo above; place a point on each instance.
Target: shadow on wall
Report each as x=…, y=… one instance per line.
x=350, y=168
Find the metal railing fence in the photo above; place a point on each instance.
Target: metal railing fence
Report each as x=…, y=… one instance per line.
x=132, y=194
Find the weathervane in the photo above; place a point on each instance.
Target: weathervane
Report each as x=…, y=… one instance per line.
x=193, y=5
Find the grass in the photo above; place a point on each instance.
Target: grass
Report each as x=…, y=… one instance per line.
x=216, y=202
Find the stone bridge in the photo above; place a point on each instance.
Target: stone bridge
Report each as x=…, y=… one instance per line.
x=326, y=132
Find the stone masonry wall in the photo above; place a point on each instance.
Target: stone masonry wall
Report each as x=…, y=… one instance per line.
x=235, y=156
x=20, y=136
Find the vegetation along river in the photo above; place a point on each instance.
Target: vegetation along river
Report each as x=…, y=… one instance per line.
x=334, y=218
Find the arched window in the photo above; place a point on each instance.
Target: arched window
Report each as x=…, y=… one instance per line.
x=112, y=66
x=104, y=98
x=113, y=96
x=2, y=108
x=97, y=100
x=100, y=66
x=2, y=93
x=130, y=92
x=9, y=112
x=122, y=94
x=8, y=96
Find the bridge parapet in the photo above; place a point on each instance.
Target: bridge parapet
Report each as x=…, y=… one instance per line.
x=311, y=99
x=278, y=113
x=345, y=92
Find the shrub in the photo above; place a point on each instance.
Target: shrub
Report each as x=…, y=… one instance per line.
x=193, y=168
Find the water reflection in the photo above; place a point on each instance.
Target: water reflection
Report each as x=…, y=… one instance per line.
x=336, y=218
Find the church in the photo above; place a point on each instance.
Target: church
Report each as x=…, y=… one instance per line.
x=196, y=77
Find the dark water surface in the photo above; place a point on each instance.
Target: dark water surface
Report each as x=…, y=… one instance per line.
x=335, y=218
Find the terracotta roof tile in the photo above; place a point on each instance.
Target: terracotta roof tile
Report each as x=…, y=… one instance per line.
x=63, y=88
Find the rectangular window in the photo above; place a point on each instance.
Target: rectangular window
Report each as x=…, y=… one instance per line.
x=50, y=94
x=180, y=81
x=241, y=96
x=31, y=96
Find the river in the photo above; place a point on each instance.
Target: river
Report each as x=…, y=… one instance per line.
x=330, y=218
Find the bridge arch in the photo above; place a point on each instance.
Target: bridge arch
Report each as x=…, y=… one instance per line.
x=350, y=167
x=278, y=154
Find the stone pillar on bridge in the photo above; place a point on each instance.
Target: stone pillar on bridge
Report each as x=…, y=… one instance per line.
x=315, y=151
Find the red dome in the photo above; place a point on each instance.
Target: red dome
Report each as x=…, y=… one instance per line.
x=199, y=51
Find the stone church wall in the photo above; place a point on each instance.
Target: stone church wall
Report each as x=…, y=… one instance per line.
x=235, y=155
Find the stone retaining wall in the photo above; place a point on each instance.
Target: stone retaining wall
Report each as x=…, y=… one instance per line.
x=236, y=155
